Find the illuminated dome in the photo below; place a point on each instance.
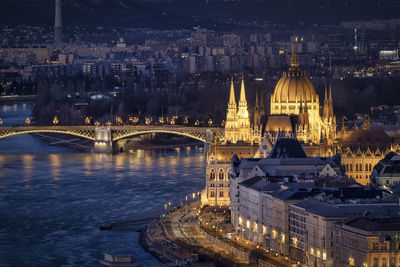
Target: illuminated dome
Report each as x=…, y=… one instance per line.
x=294, y=86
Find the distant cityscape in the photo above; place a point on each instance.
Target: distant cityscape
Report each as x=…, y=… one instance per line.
x=299, y=124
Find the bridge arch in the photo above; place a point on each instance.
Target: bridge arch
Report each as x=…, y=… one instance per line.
x=197, y=135
x=81, y=134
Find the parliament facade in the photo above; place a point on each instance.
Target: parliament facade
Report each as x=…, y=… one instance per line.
x=294, y=113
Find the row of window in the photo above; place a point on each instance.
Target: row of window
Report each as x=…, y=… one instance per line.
x=360, y=177
x=221, y=174
x=221, y=194
x=358, y=167
x=220, y=185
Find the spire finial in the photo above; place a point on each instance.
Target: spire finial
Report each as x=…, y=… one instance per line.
x=330, y=92
x=232, y=101
x=294, y=61
x=242, y=91
x=326, y=93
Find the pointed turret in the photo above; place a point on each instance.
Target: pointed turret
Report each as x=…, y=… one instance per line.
x=294, y=61
x=231, y=125
x=257, y=118
x=262, y=108
x=243, y=116
x=242, y=99
x=326, y=104
x=330, y=102
x=232, y=101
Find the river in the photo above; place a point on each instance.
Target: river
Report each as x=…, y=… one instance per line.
x=53, y=199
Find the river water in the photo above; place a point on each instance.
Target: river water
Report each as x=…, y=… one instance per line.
x=53, y=199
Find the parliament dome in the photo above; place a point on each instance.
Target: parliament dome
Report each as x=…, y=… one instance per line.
x=294, y=86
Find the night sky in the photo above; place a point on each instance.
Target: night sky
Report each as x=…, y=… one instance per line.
x=183, y=12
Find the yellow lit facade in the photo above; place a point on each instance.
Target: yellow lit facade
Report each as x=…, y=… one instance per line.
x=294, y=94
x=237, y=126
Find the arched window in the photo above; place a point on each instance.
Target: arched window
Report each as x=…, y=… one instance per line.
x=212, y=193
x=212, y=174
x=221, y=174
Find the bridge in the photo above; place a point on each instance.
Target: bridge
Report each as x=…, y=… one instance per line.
x=104, y=137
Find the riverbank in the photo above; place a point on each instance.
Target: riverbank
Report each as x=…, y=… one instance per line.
x=17, y=98
x=178, y=240
x=191, y=234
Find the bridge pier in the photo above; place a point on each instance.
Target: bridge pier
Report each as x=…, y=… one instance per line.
x=102, y=142
x=120, y=146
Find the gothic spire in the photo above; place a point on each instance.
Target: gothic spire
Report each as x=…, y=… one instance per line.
x=330, y=102
x=232, y=101
x=326, y=94
x=294, y=61
x=242, y=99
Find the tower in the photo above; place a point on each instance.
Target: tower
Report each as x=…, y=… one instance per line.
x=231, y=118
x=257, y=115
x=243, y=116
x=58, y=28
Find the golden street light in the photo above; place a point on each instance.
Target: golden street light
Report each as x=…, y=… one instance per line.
x=28, y=121
x=87, y=120
x=1, y=121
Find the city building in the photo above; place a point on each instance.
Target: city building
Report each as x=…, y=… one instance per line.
x=368, y=241
x=387, y=172
x=240, y=139
x=361, y=149
x=312, y=222
x=294, y=94
x=252, y=197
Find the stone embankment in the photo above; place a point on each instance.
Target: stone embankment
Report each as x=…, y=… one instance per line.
x=179, y=240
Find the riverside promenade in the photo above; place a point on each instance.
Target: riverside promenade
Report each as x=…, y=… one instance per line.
x=180, y=239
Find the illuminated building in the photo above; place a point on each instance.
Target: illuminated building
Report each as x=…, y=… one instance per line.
x=240, y=139
x=361, y=149
x=313, y=222
x=237, y=126
x=368, y=241
x=295, y=96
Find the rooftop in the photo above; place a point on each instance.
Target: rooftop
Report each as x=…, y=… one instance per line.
x=377, y=224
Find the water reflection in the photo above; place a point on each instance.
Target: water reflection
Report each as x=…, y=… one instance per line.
x=59, y=197
x=55, y=166
x=27, y=162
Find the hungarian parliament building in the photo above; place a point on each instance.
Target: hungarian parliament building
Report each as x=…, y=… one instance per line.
x=294, y=113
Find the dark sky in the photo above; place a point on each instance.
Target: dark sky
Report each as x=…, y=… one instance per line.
x=141, y=12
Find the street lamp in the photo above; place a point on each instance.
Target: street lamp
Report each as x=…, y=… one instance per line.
x=1, y=121
x=28, y=121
